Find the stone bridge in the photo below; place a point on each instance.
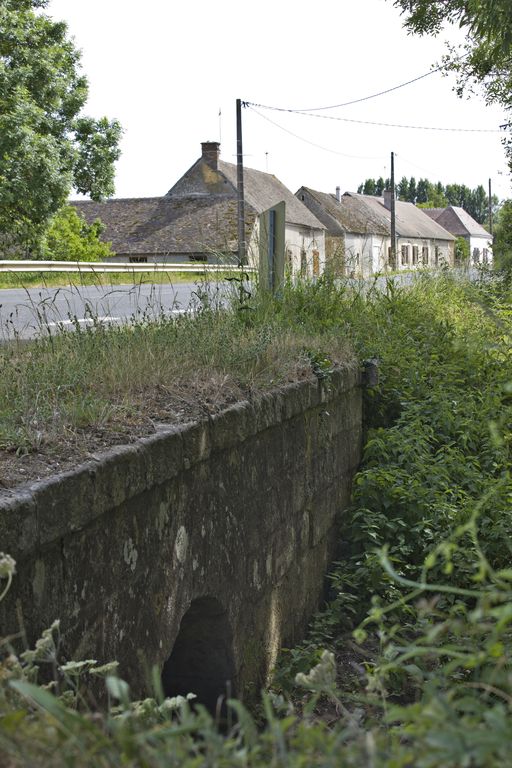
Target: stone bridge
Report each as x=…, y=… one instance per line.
x=201, y=549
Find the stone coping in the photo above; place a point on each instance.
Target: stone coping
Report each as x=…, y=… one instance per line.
x=34, y=515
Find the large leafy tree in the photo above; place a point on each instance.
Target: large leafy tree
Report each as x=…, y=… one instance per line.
x=486, y=59
x=47, y=146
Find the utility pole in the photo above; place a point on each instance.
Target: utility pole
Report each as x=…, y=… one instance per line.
x=393, y=213
x=240, y=185
x=490, y=208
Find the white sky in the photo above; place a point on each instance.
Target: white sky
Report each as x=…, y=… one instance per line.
x=165, y=68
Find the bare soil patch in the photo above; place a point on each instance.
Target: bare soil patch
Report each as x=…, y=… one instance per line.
x=140, y=417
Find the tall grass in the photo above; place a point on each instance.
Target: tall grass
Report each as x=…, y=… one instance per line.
x=101, y=374
x=421, y=601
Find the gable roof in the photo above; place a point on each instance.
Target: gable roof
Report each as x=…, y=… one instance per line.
x=366, y=214
x=457, y=221
x=410, y=221
x=261, y=190
x=199, y=214
x=344, y=215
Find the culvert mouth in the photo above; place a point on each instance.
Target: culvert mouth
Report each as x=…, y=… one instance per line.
x=202, y=660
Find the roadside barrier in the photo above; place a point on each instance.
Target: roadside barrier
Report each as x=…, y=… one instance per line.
x=11, y=265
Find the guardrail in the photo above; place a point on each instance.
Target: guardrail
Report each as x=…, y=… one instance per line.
x=11, y=265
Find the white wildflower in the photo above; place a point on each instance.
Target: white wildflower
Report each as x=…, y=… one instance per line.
x=7, y=566
x=322, y=677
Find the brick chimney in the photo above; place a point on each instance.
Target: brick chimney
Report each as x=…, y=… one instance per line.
x=387, y=198
x=210, y=152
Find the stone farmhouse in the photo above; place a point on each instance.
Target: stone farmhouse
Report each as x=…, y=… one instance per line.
x=358, y=233
x=457, y=221
x=197, y=219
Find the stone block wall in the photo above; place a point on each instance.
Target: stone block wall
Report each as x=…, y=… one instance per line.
x=236, y=514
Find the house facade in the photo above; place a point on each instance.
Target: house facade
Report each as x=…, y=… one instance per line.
x=358, y=233
x=355, y=239
x=458, y=221
x=197, y=219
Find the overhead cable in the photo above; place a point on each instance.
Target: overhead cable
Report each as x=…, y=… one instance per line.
x=312, y=143
x=389, y=125
x=348, y=103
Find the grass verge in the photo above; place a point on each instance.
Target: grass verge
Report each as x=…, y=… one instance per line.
x=101, y=279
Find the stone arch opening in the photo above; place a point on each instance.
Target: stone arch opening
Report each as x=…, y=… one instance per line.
x=202, y=659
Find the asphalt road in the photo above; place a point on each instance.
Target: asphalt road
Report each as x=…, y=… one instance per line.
x=26, y=313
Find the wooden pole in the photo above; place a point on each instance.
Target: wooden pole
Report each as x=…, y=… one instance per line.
x=393, y=213
x=242, y=256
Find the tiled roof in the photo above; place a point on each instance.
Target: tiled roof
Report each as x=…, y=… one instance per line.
x=346, y=215
x=197, y=215
x=457, y=221
x=263, y=190
x=434, y=213
x=161, y=225
x=410, y=220
x=365, y=214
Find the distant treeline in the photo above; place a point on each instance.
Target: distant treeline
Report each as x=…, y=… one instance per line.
x=427, y=194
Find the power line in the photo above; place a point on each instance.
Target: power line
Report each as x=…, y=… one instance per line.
x=312, y=143
x=348, y=103
x=385, y=125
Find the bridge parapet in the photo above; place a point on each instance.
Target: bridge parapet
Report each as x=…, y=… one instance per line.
x=225, y=526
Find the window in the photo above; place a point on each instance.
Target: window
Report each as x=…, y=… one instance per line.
x=476, y=255
x=415, y=254
x=405, y=254
x=424, y=254
x=485, y=256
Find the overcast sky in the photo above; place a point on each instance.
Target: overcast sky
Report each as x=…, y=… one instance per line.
x=165, y=69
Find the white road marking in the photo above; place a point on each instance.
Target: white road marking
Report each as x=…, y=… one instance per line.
x=105, y=319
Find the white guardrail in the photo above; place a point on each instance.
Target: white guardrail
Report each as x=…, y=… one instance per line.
x=12, y=265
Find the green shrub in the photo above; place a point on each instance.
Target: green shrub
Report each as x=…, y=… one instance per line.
x=70, y=238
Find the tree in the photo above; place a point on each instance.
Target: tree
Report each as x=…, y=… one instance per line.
x=502, y=243
x=70, y=238
x=402, y=189
x=478, y=204
x=46, y=145
x=461, y=251
x=369, y=187
x=486, y=59
x=426, y=194
x=412, y=190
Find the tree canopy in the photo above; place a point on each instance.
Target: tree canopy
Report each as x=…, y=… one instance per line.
x=486, y=58
x=47, y=146
x=428, y=194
